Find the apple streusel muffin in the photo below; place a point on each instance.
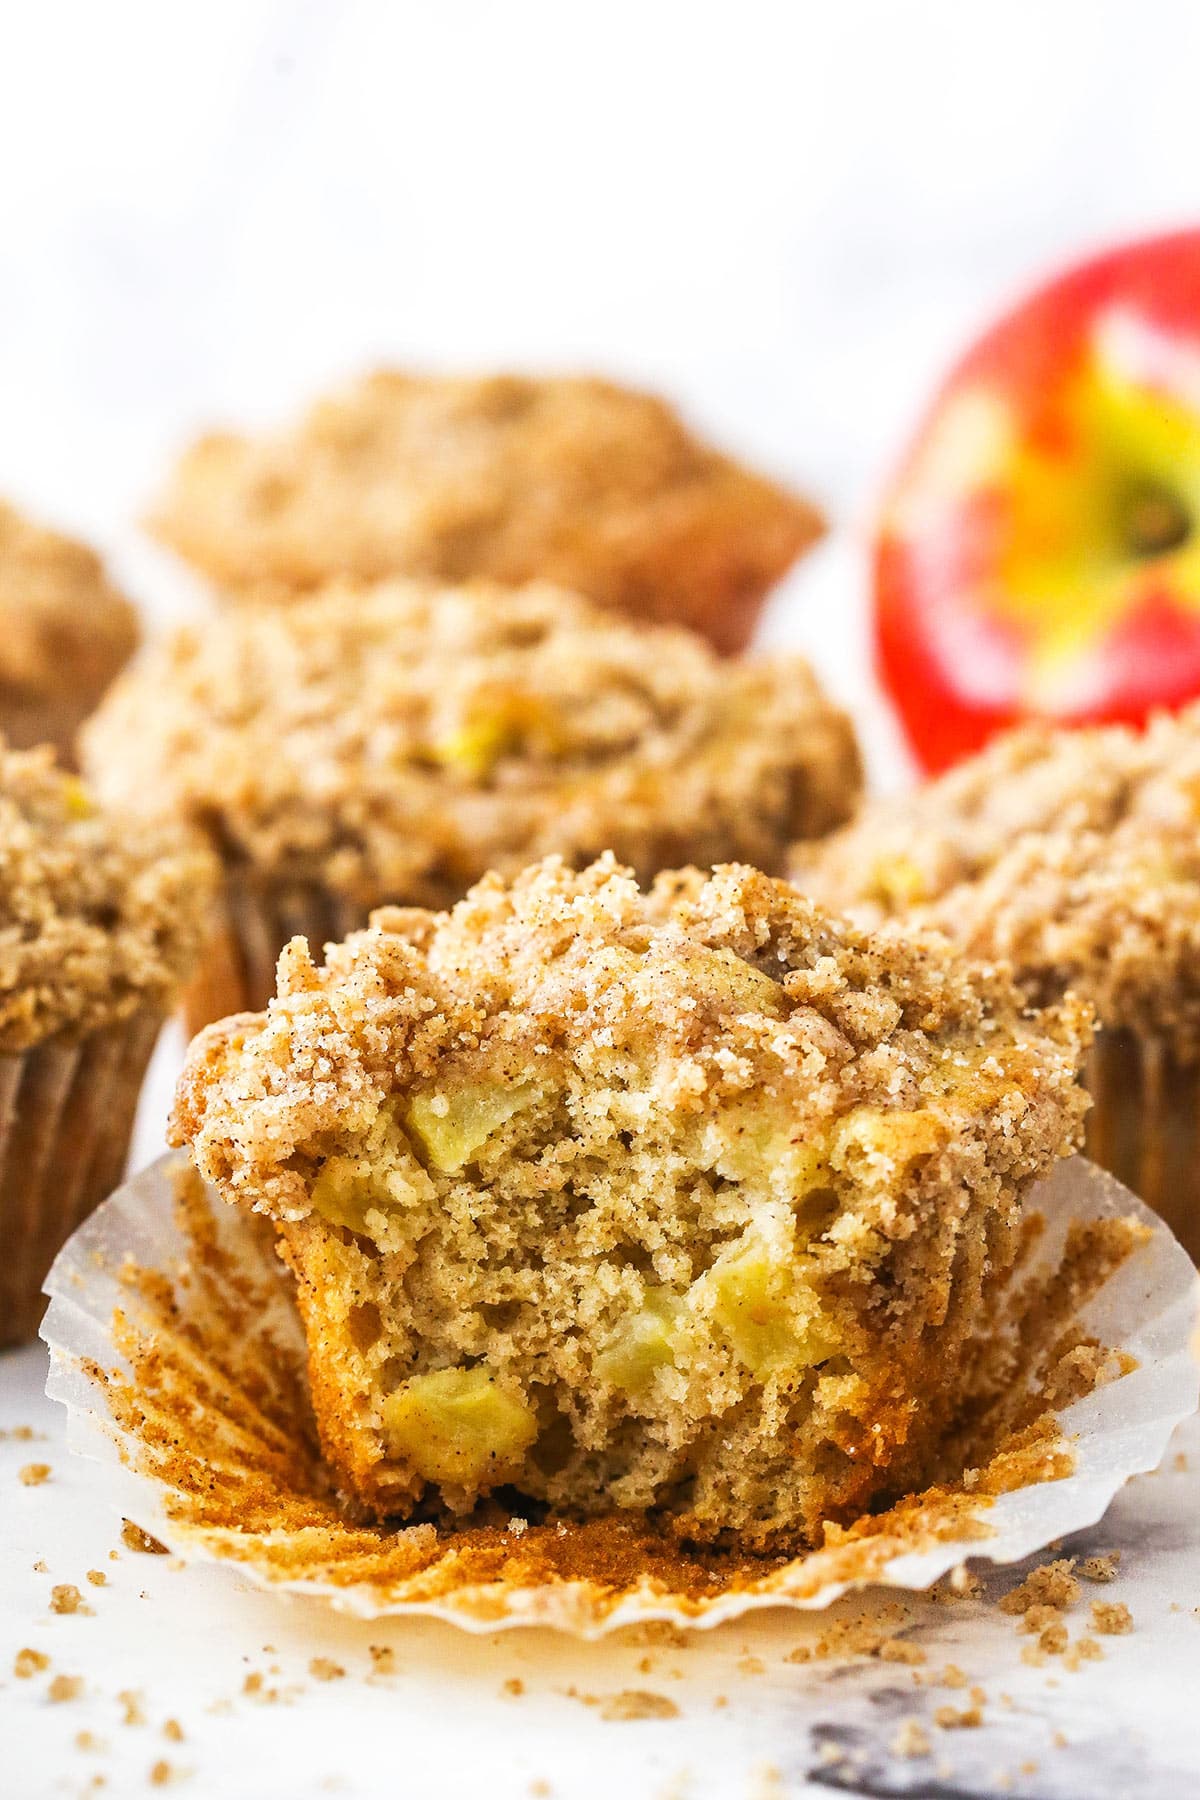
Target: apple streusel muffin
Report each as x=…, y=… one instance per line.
x=393, y=744
x=64, y=633
x=101, y=917
x=1074, y=856
x=504, y=478
x=683, y=1200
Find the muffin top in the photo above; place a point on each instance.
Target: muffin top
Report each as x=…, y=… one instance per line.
x=100, y=914
x=64, y=630
x=730, y=1002
x=510, y=478
x=1075, y=856
x=395, y=742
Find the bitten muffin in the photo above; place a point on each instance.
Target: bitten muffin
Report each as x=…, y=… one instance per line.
x=101, y=917
x=1074, y=856
x=395, y=743
x=685, y=1200
x=64, y=633
x=570, y=480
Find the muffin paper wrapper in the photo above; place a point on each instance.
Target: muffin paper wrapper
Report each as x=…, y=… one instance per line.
x=1144, y=1124
x=259, y=918
x=173, y=1324
x=66, y=1117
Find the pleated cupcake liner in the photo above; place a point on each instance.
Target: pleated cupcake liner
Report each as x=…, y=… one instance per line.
x=1144, y=1125
x=258, y=919
x=177, y=1352
x=66, y=1118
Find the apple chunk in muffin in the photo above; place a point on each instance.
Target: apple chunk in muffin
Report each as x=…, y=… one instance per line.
x=682, y=1200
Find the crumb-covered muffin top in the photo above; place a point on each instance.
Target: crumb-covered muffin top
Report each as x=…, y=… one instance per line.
x=504, y=477
x=731, y=1002
x=1073, y=855
x=396, y=742
x=64, y=629
x=100, y=914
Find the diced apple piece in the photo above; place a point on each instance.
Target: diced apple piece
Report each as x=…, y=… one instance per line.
x=497, y=728
x=459, y=1427
x=755, y=1308
x=452, y=1125
x=760, y=1146
x=385, y=1174
x=896, y=1136
x=643, y=1342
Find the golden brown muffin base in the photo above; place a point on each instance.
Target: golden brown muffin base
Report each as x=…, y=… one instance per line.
x=66, y=1116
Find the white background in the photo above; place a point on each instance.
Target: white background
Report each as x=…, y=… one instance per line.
x=790, y=217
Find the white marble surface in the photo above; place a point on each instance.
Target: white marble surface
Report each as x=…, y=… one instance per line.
x=789, y=215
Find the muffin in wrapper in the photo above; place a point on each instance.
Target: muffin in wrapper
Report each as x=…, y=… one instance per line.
x=65, y=632
x=1073, y=856
x=101, y=918
x=66, y=1117
x=176, y=1349
x=504, y=478
x=392, y=744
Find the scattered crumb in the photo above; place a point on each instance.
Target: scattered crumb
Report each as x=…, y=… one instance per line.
x=719, y=1701
x=638, y=1703
x=383, y=1659
x=539, y=1788
x=161, y=1773
x=65, y=1687
x=1060, y=1740
x=30, y=1662
x=801, y=1654
x=1180, y=1462
x=323, y=1668
x=97, y=1577
x=514, y=1686
x=751, y=1665
x=911, y=1739
x=114, y=1556
x=1035, y=1658
x=952, y=1677
x=65, y=1597
x=768, y=1783
x=87, y=1740
x=134, y=1538
x=173, y=1731
x=1085, y=1649
x=1036, y=1619
x=1053, y=1584
x=20, y=1434
x=652, y=1632
x=33, y=1474
x=1053, y=1640
x=899, y=1650
x=1111, y=1618
x=40, y=1567
x=950, y=1718
x=131, y=1704
x=1100, y=1568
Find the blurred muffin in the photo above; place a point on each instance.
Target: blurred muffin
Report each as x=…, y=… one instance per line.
x=688, y=1201
x=64, y=633
x=571, y=480
x=1074, y=856
x=395, y=742
x=101, y=917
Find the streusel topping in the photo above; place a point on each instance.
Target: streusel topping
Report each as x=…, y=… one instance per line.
x=1075, y=856
x=396, y=742
x=64, y=629
x=100, y=914
x=505, y=477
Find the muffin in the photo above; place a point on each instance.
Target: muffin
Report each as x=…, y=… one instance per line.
x=504, y=478
x=64, y=633
x=1074, y=856
x=686, y=1200
x=101, y=916
x=394, y=743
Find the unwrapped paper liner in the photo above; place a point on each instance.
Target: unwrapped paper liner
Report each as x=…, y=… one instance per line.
x=130, y=1258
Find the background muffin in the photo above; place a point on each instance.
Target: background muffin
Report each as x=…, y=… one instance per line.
x=1075, y=856
x=394, y=743
x=64, y=633
x=570, y=480
x=101, y=916
x=688, y=1201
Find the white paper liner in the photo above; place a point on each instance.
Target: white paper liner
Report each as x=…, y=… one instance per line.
x=1147, y=1310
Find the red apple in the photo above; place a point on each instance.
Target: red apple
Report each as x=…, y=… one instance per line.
x=1038, y=554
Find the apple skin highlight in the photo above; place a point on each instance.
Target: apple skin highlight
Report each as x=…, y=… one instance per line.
x=1038, y=551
